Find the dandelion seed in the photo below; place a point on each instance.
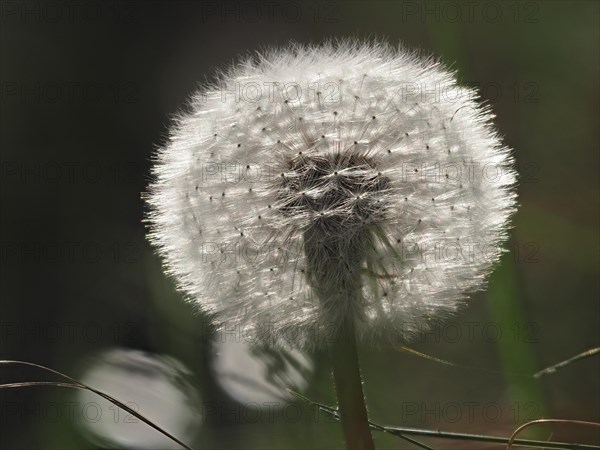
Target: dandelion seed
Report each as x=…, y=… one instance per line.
x=362, y=197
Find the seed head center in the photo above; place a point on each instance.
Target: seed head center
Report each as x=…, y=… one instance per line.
x=338, y=187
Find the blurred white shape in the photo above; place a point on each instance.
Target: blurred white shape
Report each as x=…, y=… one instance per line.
x=256, y=374
x=156, y=386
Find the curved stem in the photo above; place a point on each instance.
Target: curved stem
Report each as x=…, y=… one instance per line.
x=348, y=385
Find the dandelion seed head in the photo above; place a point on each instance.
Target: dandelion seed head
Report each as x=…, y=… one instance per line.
x=313, y=185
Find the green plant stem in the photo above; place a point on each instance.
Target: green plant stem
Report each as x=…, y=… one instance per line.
x=348, y=385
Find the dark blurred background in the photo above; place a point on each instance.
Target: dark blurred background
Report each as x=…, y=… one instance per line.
x=88, y=91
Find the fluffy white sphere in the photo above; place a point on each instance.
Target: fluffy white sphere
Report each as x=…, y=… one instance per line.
x=314, y=185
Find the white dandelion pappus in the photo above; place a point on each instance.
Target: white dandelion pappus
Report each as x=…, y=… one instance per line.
x=316, y=185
